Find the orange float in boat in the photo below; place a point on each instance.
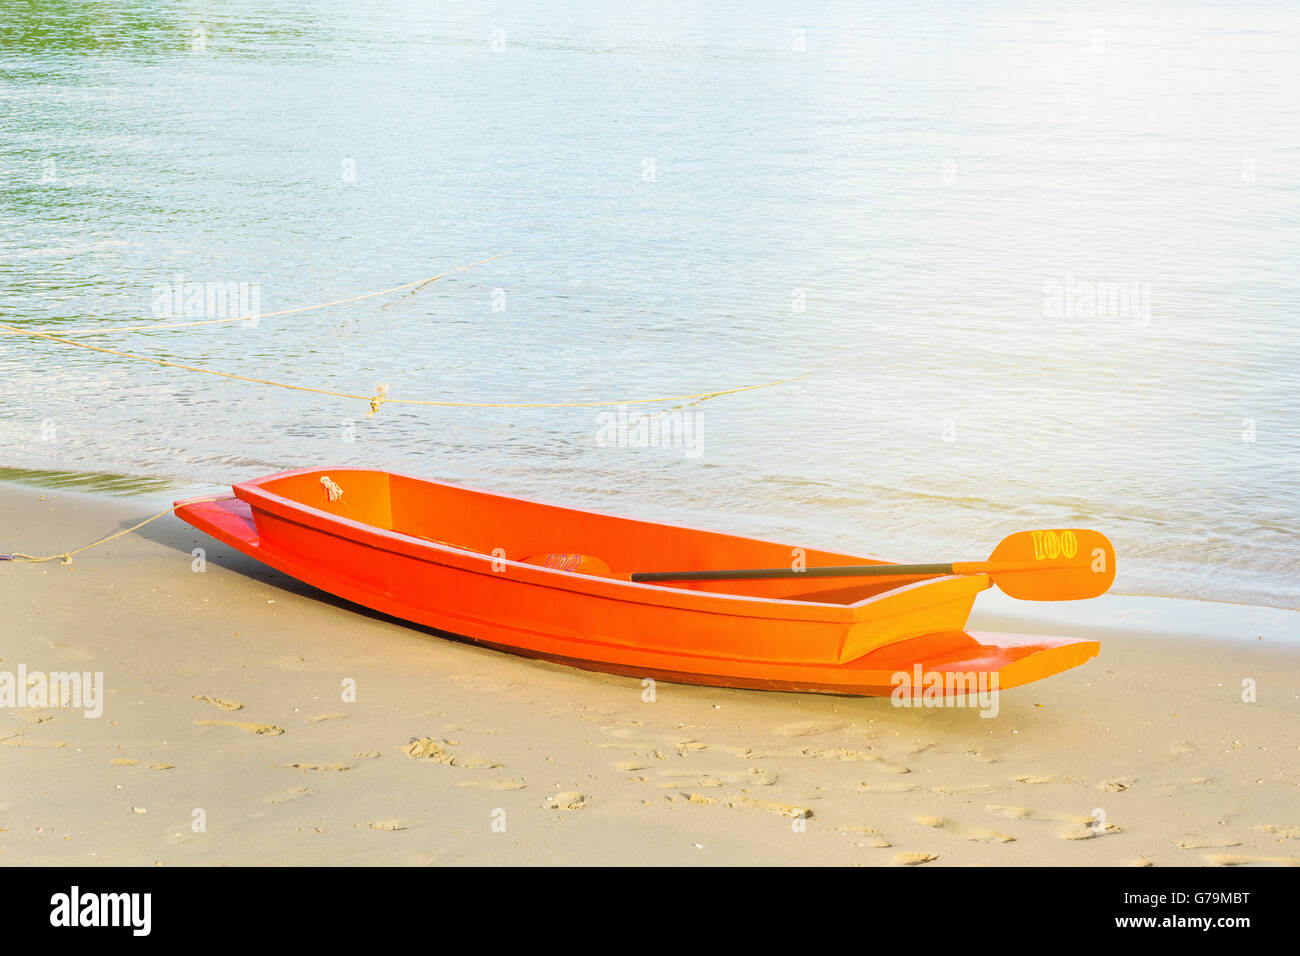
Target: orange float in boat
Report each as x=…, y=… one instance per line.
x=553, y=583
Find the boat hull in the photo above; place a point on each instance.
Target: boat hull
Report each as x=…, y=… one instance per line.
x=853, y=642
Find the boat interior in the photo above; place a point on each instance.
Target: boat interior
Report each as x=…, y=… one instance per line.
x=482, y=521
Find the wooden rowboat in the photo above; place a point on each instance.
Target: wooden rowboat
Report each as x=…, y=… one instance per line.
x=474, y=565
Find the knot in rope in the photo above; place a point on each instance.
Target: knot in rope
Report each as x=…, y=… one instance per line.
x=331, y=488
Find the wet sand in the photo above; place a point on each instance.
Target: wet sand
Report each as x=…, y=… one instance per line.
x=229, y=735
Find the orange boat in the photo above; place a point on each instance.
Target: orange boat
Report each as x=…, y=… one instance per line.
x=475, y=565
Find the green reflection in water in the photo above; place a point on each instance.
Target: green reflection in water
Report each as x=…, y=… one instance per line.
x=91, y=482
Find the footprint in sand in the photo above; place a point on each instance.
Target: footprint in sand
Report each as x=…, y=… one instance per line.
x=438, y=751
x=866, y=836
x=960, y=790
x=861, y=756
x=692, y=798
x=1036, y=778
x=1284, y=831
x=804, y=728
x=647, y=741
x=888, y=787
x=780, y=809
x=1204, y=843
x=319, y=767
x=319, y=717
x=643, y=751
x=975, y=834
x=269, y=730
x=631, y=765
x=721, y=778
x=681, y=744
x=124, y=761
x=390, y=825
x=1091, y=831
x=774, y=753
x=494, y=784
x=1084, y=825
x=163, y=766
x=646, y=750
x=1228, y=859
x=218, y=702
x=453, y=728
x=695, y=781
x=569, y=800
x=1183, y=748
x=1025, y=813
x=297, y=793
x=1116, y=784
x=915, y=859
x=825, y=753
x=755, y=778
x=366, y=754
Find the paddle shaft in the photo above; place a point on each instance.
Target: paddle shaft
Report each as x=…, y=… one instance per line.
x=841, y=571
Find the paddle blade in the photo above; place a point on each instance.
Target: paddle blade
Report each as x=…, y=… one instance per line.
x=1057, y=565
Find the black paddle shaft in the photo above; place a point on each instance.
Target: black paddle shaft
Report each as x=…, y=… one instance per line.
x=842, y=571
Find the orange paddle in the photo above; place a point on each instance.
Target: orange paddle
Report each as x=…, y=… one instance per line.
x=1051, y=565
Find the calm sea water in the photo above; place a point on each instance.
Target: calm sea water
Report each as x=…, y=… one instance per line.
x=1039, y=267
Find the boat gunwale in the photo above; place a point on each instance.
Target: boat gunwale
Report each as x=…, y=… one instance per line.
x=254, y=493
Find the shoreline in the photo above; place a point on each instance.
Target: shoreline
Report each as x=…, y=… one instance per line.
x=224, y=695
x=1181, y=615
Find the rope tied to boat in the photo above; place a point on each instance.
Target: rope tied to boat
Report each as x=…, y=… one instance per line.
x=332, y=490
x=65, y=557
x=380, y=396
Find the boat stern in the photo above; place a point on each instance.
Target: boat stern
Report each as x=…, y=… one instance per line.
x=924, y=607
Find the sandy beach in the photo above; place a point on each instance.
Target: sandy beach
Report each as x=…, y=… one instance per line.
x=229, y=735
